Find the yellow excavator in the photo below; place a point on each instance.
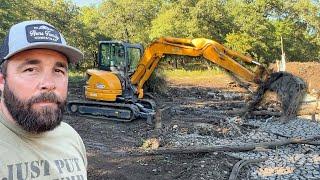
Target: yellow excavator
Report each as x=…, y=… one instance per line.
x=114, y=91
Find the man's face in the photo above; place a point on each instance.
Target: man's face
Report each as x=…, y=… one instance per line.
x=35, y=89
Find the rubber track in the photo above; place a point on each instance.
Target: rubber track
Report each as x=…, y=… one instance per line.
x=116, y=106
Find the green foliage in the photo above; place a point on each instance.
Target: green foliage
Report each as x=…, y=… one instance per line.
x=210, y=19
x=173, y=20
x=76, y=76
x=10, y=13
x=156, y=83
x=181, y=73
x=128, y=19
x=242, y=42
x=249, y=26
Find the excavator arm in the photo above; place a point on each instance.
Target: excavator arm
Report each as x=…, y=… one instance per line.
x=206, y=48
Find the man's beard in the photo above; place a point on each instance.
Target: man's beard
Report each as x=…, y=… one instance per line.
x=31, y=120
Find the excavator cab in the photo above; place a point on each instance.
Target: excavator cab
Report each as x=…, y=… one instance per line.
x=108, y=92
x=119, y=57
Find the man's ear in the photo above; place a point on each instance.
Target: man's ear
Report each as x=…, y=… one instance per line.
x=2, y=81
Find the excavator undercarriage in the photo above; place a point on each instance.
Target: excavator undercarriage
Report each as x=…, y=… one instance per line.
x=117, y=111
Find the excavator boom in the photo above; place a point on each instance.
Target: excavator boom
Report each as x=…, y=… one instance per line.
x=209, y=49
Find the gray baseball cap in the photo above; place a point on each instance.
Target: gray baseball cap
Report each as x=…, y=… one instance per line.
x=36, y=34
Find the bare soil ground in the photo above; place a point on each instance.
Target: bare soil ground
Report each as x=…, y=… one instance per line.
x=192, y=104
x=307, y=71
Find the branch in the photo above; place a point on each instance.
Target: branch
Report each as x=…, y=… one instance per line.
x=226, y=148
x=304, y=111
x=236, y=168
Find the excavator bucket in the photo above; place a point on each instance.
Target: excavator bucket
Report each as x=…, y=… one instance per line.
x=289, y=88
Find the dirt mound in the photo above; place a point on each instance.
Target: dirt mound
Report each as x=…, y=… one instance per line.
x=309, y=71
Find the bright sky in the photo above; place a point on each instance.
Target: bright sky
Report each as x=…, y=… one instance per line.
x=86, y=2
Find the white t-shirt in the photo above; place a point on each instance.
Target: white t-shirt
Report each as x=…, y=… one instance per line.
x=56, y=154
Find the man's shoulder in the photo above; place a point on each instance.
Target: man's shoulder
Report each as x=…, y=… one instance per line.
x=65, y=134
x=66, y=130
x=66, y=126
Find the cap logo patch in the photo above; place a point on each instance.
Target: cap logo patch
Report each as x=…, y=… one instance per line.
x=42, y=33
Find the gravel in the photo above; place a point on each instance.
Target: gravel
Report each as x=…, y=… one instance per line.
x=294, y=161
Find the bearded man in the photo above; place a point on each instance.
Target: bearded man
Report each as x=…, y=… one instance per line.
x=34, y=143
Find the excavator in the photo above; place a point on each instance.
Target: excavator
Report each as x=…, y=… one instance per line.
x=114, y=91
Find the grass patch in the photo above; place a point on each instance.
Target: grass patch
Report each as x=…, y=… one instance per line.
x=196, y=78
x=181, y=73
x=76, y=76
x=157, y=81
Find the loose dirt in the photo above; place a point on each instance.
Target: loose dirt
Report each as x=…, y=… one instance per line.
x=308, y=71
x=192, y=105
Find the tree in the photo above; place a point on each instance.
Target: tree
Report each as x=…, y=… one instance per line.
x=128, y=19
x=11, y=12
x=211, y=20
x=259, y=24
x=174, y=19
x=248, y=26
